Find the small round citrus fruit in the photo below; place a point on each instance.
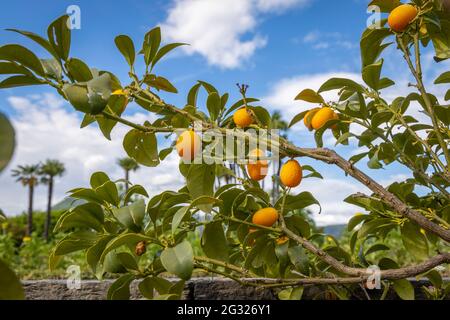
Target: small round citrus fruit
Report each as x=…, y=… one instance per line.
x=265, y=217
x=401, y=17
x=308, y=117
x=257, y=169
x=188, y=145
x=322, y=116
x=243, y=118
x=291, y=174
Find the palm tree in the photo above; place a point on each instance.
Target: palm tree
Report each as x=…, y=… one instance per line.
x=28, y=176
x=128, y=165
x=48, y=171
x=280, y=124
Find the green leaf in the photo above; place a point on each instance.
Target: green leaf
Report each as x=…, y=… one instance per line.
x=356, y=220
x=262, y=115
x=59, y=36
x=79, y=70
x=88, y=215
x=404, y=289
x=142, y=147
x=94, y=253
x=152, y=40
x=435, y=278
x=131, y=216
x=108, y=192
x=299, y=201
x=339, y=83
x=20, y=54
x=120, y=289
x=214, y=242
x=165, y=50
x=146, y=288
x=20, y=81
x=126, y=47
x=414, y=241
x=376, y=247
x=136, y=189
x=372, y=226
x=130, y=239
x=291, y=294
x=44, y=43
x=371, y=74
x=214, y=105
x=299, y=117
x=160, y=83
x=371, y=44
x=310, y=95
x=7, y=141
x=443, y=78
x=200, y=181
x=192, y=95
x=98, y=179
x=128, y=261
x=75, y=241
x=179, y=260
x=299, y=259
x=11, y=288
x=13, y=68
x=178, y=217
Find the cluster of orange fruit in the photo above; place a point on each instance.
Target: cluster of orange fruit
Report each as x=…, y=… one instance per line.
x=188, y=145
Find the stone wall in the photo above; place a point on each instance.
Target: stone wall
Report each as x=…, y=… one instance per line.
x=196, y=289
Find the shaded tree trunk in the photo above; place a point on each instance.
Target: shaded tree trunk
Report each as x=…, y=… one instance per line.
x=127, y=179
x=30, y=210
x=48, y=220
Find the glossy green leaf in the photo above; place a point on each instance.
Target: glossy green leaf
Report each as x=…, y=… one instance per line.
x=130, y=239
x=214, y=242
x=165, y=50
x=414, y=241
x=20, y=81
x=404, y=289
x=214, y=105
x=371, y=74
x=120, y=289
x=20, y=54
x=310, y=95
x=152, y=41
x=79, y=70
x=134, y=190
x=59, y=36
x=98, y=179
x=7, y=141
x=131, y=216
x=126, y=47
x=11, y=288
x=142, y=147
x=179, y=260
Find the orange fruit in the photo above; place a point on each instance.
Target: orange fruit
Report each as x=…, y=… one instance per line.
x=257, y=169
x=308, y=117
x=282, y=240
x=265, y=217
x=322, y=116
x=401, y=17
x=243, y=118
x=291, y=174
x=188, y=145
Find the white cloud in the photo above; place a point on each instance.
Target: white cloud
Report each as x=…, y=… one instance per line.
x=45, y=129
x=221, y=31
x=324, y=40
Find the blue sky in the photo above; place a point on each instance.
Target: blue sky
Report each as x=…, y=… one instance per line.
x=278, y=47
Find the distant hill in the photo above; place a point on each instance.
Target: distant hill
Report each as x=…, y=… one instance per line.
x=67, y=203
x=335, y=230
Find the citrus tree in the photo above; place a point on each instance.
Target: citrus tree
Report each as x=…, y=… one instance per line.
x=246, y=235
